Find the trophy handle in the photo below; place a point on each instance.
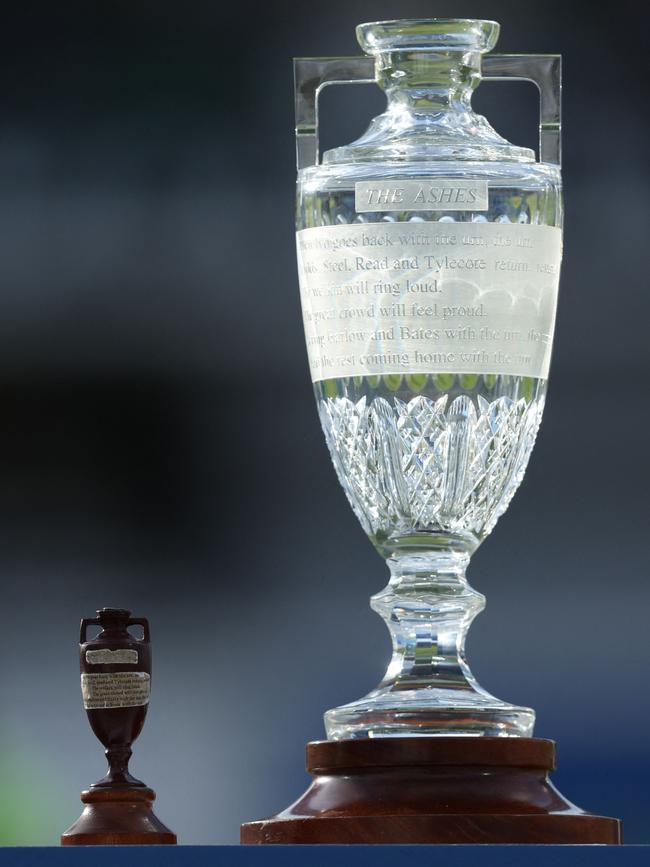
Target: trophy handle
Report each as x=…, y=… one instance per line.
x=85, y=623
x=144, y=623
x=312, y=74
x=132, y=621
x=545, y=71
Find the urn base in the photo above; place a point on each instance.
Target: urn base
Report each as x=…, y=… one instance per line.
x=117, y=817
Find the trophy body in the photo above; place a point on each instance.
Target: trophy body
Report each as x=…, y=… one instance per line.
x=115, y=685
x=429, y=255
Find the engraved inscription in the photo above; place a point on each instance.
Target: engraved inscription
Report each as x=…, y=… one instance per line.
x=421, y=194
x=429, y=298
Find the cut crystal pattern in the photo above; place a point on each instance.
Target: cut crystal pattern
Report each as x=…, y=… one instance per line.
x=429, y=465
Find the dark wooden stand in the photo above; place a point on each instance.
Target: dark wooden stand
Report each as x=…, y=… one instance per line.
x=117, y=816
x=432, y=790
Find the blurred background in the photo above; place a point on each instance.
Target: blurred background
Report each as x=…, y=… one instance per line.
x=159, y=446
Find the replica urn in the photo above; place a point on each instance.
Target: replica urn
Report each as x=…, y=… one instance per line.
x=115, y=685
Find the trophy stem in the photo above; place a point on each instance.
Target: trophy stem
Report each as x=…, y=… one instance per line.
x=428, y=607
x=428, y=688
x=118, y=769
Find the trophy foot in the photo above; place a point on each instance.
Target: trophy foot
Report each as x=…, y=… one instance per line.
x=432, y=790
x=428, y=712
x=117, y=817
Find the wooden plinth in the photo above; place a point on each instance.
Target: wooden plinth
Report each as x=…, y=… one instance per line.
x=117, y=816
x=432, y=790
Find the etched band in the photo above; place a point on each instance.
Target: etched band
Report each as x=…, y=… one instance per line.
x=429, y=297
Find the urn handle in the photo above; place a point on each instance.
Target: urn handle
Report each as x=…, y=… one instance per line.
x=312, y=74
x=144, y=623
x=85, y=623
x=131, y=621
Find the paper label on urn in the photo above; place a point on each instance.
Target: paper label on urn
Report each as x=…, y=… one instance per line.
x=118, y=689
x=429, y=297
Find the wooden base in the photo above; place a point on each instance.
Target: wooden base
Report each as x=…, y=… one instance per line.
x=117, y=816
x=432, y=790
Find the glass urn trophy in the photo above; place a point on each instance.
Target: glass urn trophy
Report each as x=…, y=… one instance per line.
x=429, y=256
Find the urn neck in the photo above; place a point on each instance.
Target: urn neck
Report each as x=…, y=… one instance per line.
x=114, y=623
x=428, y=64
x=428, y=69
x=428, y=81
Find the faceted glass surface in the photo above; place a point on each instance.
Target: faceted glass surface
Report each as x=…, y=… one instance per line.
x=438, y=454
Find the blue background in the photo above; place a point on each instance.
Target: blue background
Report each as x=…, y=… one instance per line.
x=159, y=447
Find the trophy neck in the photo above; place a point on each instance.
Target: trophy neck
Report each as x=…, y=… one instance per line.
x=429, y=81
x=428, y=64
x=113, y=622
x=428, y=69
x=435, y=570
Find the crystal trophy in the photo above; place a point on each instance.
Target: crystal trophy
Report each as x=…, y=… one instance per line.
x=429, y=255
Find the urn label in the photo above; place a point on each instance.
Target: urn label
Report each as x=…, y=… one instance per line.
x=118, y=689
x=421, y=194
x=112, y=657
x=429, y=297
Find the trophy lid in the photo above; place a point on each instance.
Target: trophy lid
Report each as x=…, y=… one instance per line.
x=425, y=34
x=113, y=616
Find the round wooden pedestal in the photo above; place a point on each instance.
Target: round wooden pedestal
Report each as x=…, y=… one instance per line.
x=117, y=816
x=432, y=790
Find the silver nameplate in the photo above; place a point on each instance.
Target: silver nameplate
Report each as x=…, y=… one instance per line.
x=421, y=194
